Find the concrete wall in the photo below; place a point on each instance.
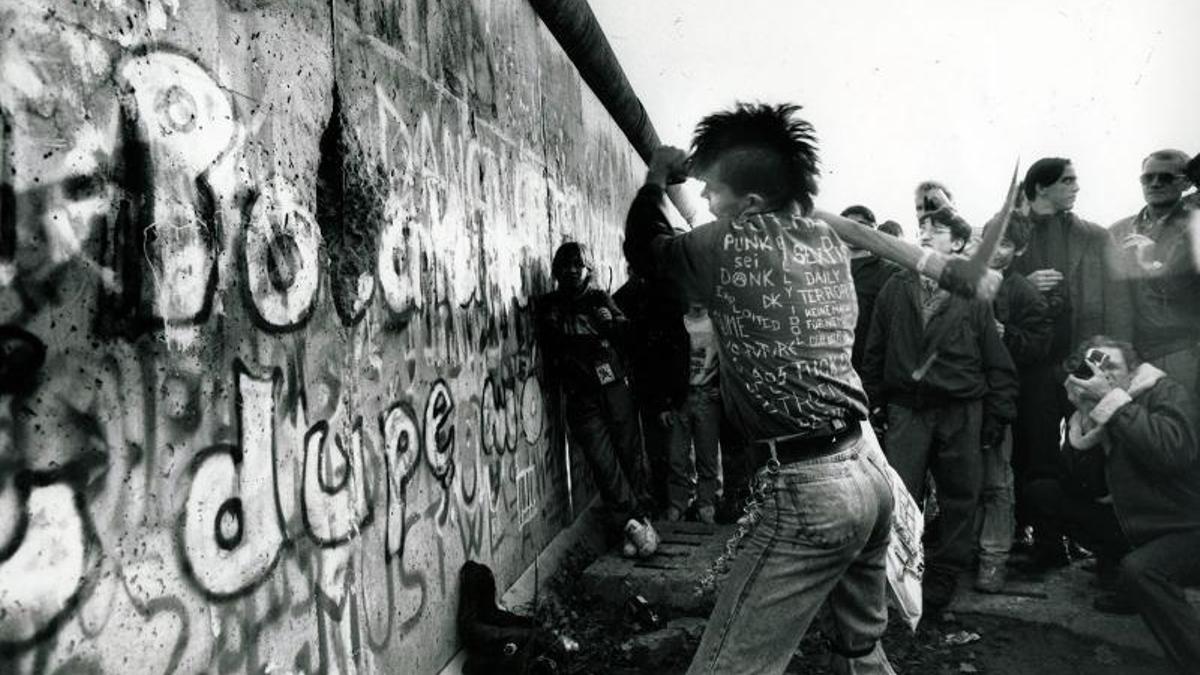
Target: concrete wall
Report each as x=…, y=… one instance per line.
x=281, y=258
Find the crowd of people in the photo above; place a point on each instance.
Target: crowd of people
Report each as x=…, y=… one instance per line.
x=769, y=366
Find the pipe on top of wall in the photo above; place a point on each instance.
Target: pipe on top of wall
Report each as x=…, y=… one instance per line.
x=574, y=26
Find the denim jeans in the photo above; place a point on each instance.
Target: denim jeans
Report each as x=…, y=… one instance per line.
x=822, y=536
x=995, y=519
x=1154, y=575
x=944, y=440
x=696, y=426
x=604, y=426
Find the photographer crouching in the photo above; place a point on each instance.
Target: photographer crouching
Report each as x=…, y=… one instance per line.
x=1140, y=426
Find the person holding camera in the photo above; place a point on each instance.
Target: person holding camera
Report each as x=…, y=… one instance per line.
x=579, y=328
x=1144, y=425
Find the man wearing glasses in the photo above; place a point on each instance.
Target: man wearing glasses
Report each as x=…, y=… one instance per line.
x=935, y=366
x=1157, y=256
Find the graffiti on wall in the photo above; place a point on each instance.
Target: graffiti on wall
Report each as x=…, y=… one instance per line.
x=290, y=378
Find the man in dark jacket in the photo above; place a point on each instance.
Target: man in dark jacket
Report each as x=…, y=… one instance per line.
x=1158, y=260
x=1069, y=261
x=937, y=364
x=870, y=273
x=579, y=328
x=1023, y=320
x=1145, y=423
x=657, y=347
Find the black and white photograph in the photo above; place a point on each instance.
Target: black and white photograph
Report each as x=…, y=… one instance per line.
x=573, y=337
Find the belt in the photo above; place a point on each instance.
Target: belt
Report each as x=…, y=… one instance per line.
x=791, y=449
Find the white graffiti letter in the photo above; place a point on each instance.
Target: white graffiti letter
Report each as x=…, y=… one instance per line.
x=231, y=533
x=439, y=433
x=401, y=452
x=187, y=124
x=41, y=577
x=399, y=264
x=333, y=493
x=281, y=270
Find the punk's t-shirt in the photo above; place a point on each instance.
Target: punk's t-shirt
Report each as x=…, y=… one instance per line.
x=781, y=298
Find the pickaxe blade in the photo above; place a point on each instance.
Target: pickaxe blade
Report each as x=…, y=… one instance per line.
x=991, y=238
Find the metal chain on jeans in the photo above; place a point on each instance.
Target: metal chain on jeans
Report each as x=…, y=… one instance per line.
x=752, y=514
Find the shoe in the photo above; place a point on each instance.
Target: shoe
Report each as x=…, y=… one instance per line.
x=628, y=549
x=990, y=578
x=937, y=590
x=707, y=514
x=674, y=515
x=1114, y=603
x=642, y=537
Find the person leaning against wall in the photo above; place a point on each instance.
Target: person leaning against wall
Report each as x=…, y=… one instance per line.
x=579, y=330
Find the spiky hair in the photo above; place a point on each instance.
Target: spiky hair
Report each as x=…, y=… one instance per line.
x=760, y=148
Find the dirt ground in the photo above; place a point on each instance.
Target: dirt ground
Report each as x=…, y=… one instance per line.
x=611, y=642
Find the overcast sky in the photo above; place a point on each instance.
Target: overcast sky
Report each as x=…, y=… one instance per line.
x=945, y=89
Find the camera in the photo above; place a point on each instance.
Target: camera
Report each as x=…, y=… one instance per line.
x=1096, y=358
